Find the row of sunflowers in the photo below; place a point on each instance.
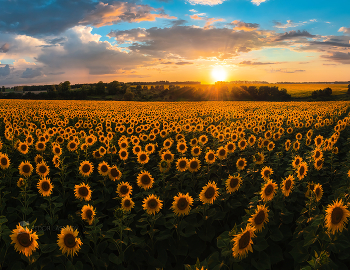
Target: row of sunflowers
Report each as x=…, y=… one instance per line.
x=200, y=185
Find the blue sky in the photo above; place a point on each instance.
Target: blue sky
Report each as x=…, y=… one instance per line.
x=83, y=41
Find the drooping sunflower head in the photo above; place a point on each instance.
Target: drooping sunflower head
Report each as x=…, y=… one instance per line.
x=182, y=204
x=302, y=170
x=86, y=168
x=209, y=193
x=243, y=242
x=259, y=218
x=318, y=164
x=152, y=204
x=56, y=161
x=45, y=187
x=88, y=213
x=68, y=241
x=82, y=192
x=259, y=158
x=318, y=190
x=233, y=183
x=24, y=240
x=145, y=180
x=194, y=165
x=124, y=189
x=268, y=191
x=114, y=173
x=287, y=145
x=336, y=217
x=287, y=185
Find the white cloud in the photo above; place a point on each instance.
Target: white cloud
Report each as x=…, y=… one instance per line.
x=193, y=10
x=258, y=2
x=344, y=29
x=206, y=2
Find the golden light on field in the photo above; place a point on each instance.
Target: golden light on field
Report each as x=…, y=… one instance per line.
x=219, y=73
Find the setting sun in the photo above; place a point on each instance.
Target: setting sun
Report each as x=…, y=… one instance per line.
x=219, y=73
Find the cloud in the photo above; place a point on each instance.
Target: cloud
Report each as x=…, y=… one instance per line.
x=289, y=24
x=250, y=63
x=206, y=2
x=22, y=63
x=190, y=42
x=344, y=29
x=31, y=73
x=242, y=26
x=109, y=14
x=183, y=63
x=193, y=10
x=5, y=71
x=177, y=22
x=5, y=48
x=330, y=43
x=258, y=2
x=286, y=71
x=294, y=34
x=340, y=57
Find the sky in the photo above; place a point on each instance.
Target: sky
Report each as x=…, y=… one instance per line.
x=86, y=41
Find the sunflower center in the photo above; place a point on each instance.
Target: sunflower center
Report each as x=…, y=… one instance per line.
x=288, y=184
x=69, y=241
x=194, y=164
x=182, y=164
x=182, y=147
x=88, y=214
x=230, y=147
x=152, y=203
x=318, y=141
x=86, y=168
x=209, y=193
x=234, y=182
x=40, y=145
x=318, y=191
x=259, y=218
x=114, y=172
x=297, y=162
x=145, y=179
x=124, y=189
x=57, y=150
x=182, y=203
x=104, y=168
x=26, y=168
x=318, y=154
x=72, y=145
x=268, y=190
x=319, y=162
x=167, y=156
x=42, y=169
x=222, y=152
x=23, y=147
x=123, y=154
x=143, y=157
x=149, y=148
x=301, y=170
x=241, y=163
x=337, y=215
x=45, y=186
x=83, y=191
x=244, y=240
x=258, y=158
x=211, y=156
x=3, y=161
x=24, y=239
x=266, y=173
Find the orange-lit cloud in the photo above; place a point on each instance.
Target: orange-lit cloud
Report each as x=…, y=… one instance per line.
x=109, y=14
x=258, y=2
x=206, y=2
x=242, y=26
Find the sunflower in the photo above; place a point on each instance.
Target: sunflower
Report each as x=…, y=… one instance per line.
x=142, y=157
x=25, y=168
x=287, y=145
x=82, y=192
x=268, y=191
x=259, y=218
x=318, y=190
x=24, y=240
x=123, y=154
x=68, y=241
x=86, y=168
x=45, y=187
x=287, y=185
x=168, y=156
x=4, y=161
x=203, y=139
x=168, y=143
x=20, y=182
x=181, y=147
x=152, y=204
x=242, y=144
x=243, y=242
x=302, y=170
x=317, y=153
x=103, y=168
x=72, y=146
x=296, y=145
x=209, y=193
x=182, y=204
x=196, y=151
x=210, y=157
x=114, y=173
x=145, y=180
x=318, y=164
x=56, y=161
x=221, y=153
x=266, y=172
x=88, y=213
x=56, y=149
x=241, y=163
x=127, y=203
x=164, y=166
x=40, y=146
x=318, y=141
x=124, y=189
x=230, y=147
x=336, y=216
x=42, y=169
x=271, y=146
x=259, y=158
x=296, y=162
x=136, y=149
x=150, y=148
x=194, y=165
x=23, y=148
x=233, y=183
x=182, y=164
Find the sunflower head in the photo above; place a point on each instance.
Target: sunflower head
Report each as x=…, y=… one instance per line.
x=182, y=204
x=152, y=204
x=182, y=164
x=24, y=240
x=287, y=185
x=82, y=192
x=241, y=163
x=243, y=242
x=337, y=215
x=88, y=213
x=124, y=189
x=145, y=180
x=86, y=168
x=268, y=191
x=259, y=218
x=209, y=193
x=45, y=187
x=233, y=183
x=68, y=241
x=127, y=203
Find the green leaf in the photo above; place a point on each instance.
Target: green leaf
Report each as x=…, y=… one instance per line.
x=48, y=248
x=260, y=244
x=114, y=259
x=263, y=262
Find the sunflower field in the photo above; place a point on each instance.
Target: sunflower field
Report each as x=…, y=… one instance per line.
x=161, y=185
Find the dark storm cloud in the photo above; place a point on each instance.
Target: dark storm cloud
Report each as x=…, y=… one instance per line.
x=35, y=18
x=177, y=22
x=31, y=73
x=190, y=42
x=294, y=34
x=5, y=71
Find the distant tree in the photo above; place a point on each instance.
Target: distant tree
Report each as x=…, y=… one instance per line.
x=349, y=89
x=65, y=86
x=145, y=88
x=113, y=88
x=129, y=95
x=327, y=91
x=100, y=88
x=3, y=88
x=52, y=88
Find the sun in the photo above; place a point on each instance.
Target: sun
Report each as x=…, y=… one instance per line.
x=219, y=73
